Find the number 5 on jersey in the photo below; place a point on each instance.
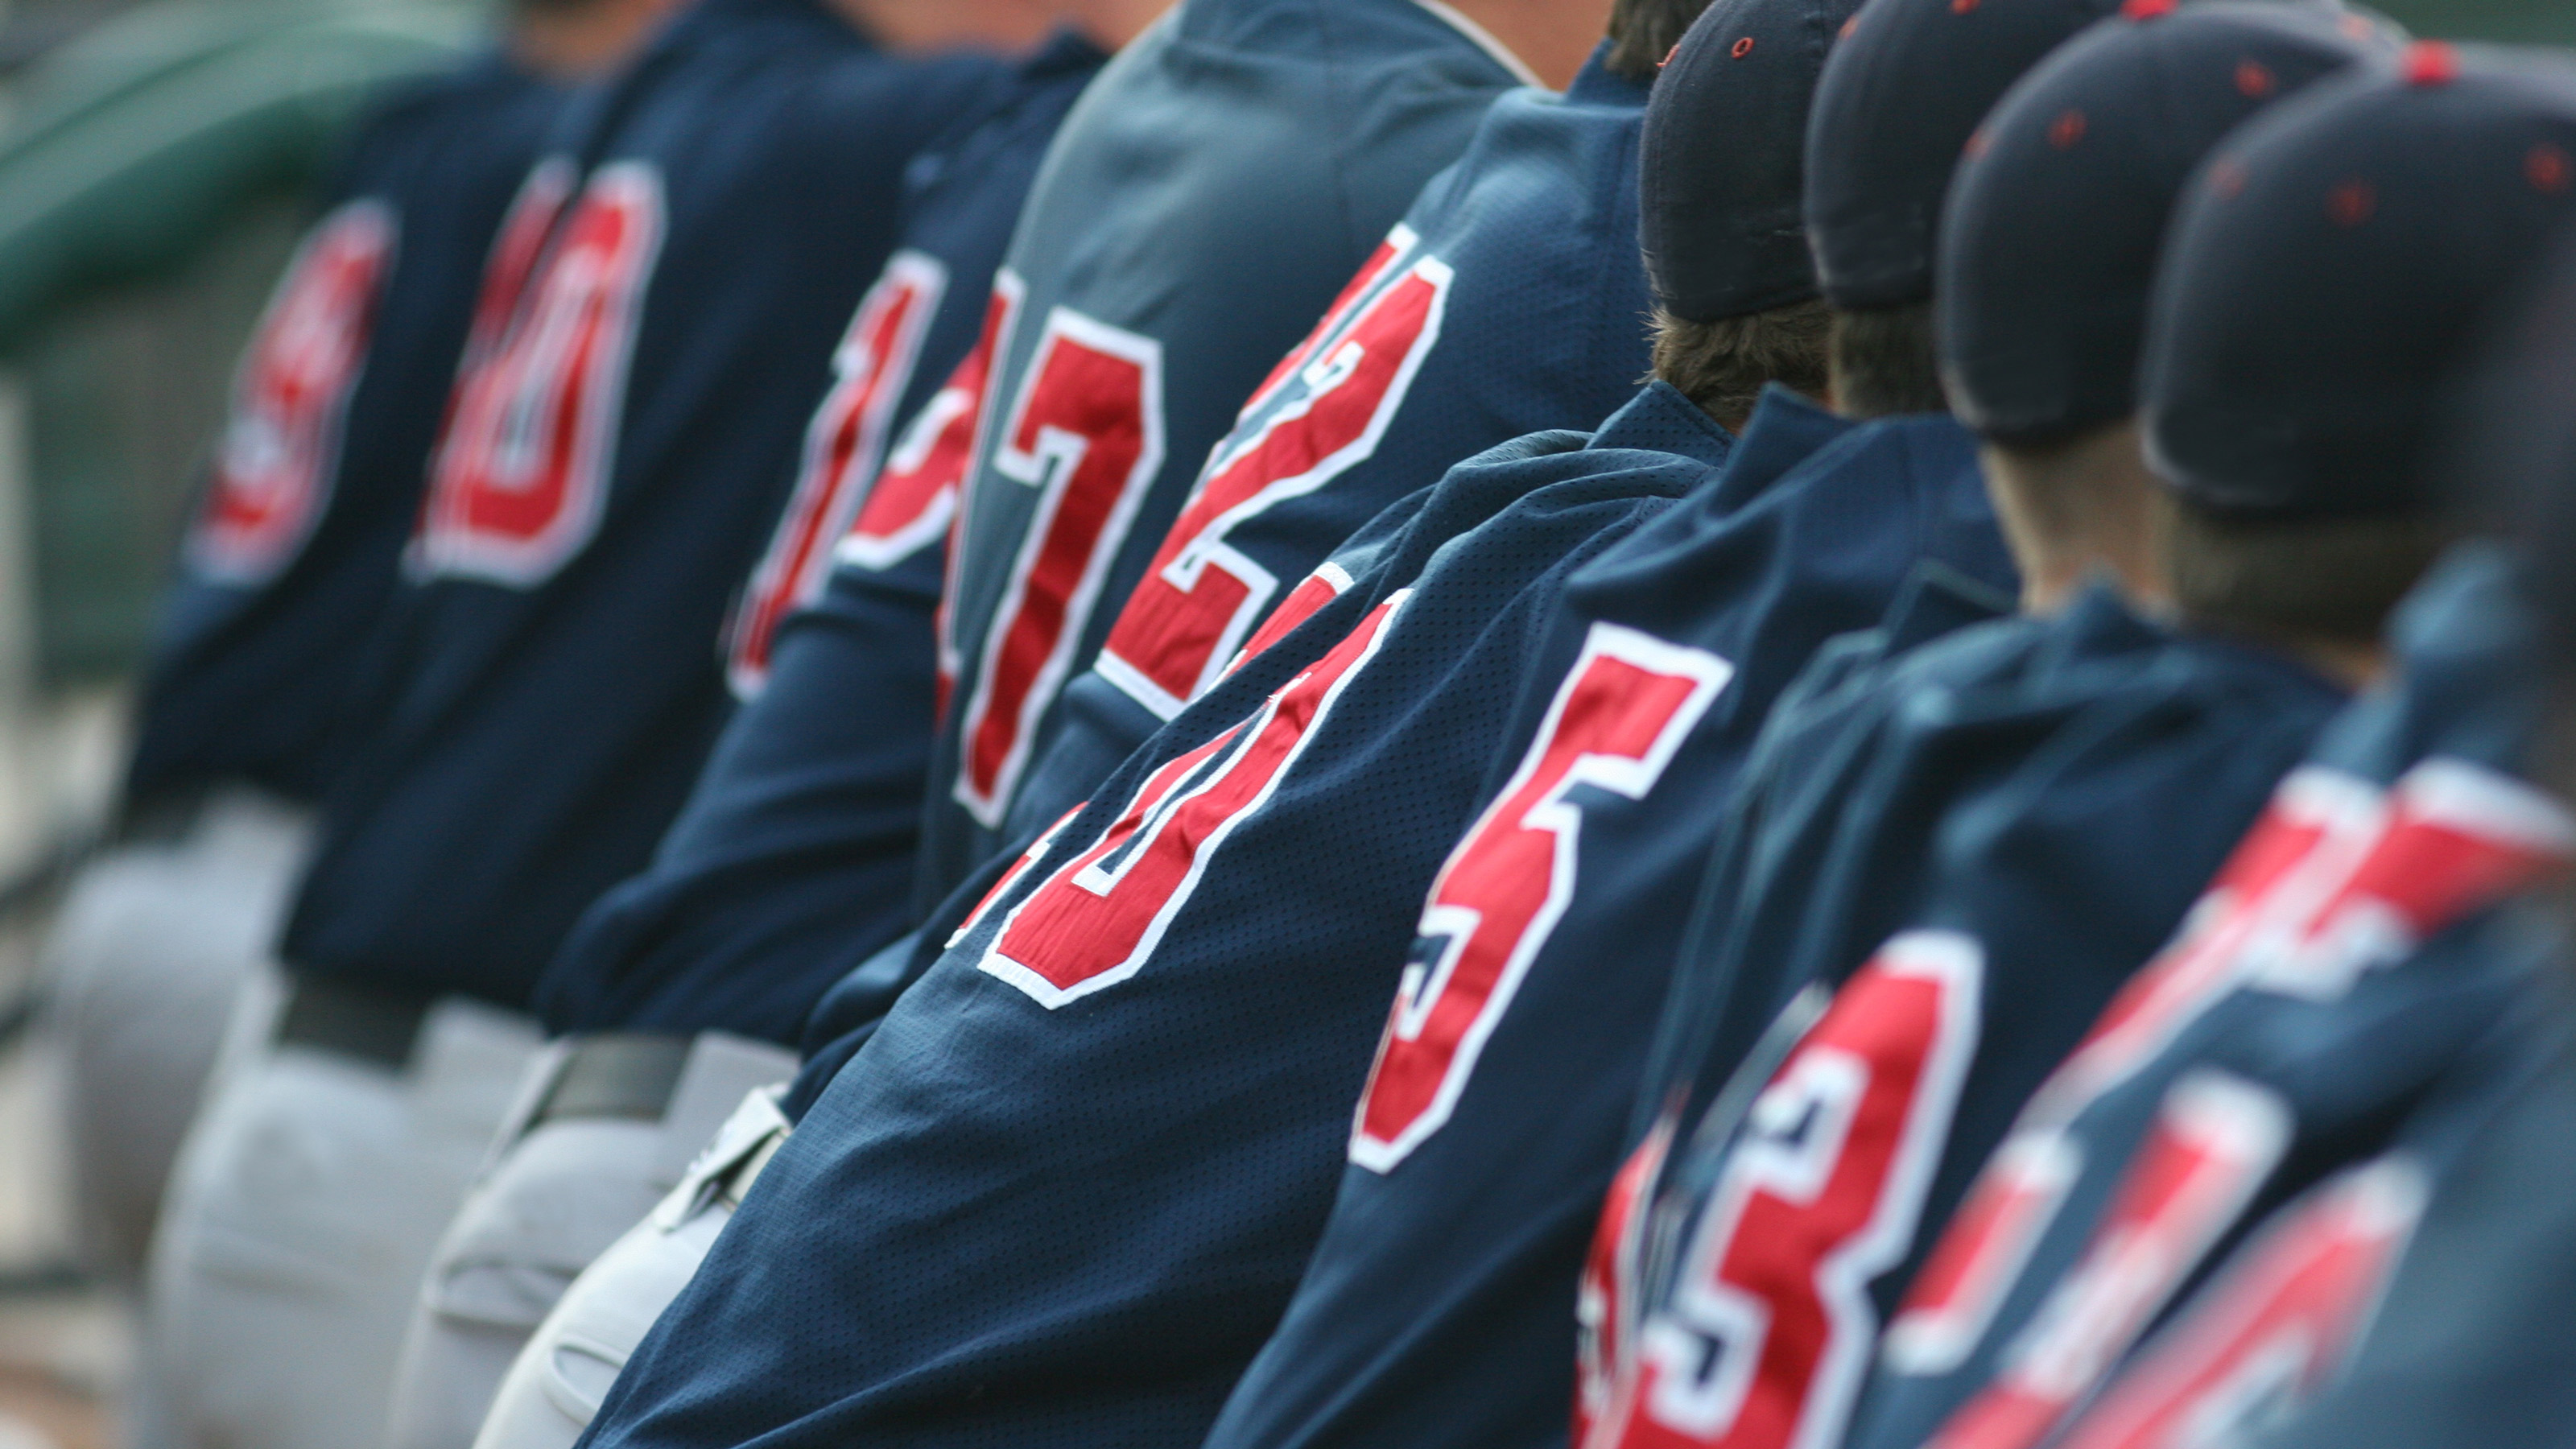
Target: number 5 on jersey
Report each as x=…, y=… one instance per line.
x=1624, y=708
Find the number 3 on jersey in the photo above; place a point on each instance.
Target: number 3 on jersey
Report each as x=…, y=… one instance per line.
x=1087, y=433
x=1624, y=708
x=1770, y=1324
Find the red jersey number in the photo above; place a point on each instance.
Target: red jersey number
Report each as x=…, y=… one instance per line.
x=1087, y=434
x=1097, y=918
x=273, y=470
x=521, y=475
x=1770, y=1325
x=1200, y=596
x=1623, y=709
x=843, y=445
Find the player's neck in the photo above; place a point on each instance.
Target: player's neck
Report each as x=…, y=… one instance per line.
x=2075, y=511
x=573, y=43
x=1110, y=24
x=1550, y=38
x=917, y=26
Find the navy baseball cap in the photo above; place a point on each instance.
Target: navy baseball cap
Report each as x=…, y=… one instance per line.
x=2056, y=218
x=1721, y=168
x=1900, y=97
x=2333, y=268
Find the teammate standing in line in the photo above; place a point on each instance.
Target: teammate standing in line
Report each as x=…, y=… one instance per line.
x=794, y=852
x=2464, y=1340
x=2318, y=308
x=287, y=565
x=614, y=455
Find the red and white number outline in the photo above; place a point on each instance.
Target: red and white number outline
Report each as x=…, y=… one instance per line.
x=1175, y=635
x=2339, y=878
x=1009, y=693
x=2214, y=1142
x=844, y=443
x=274, y=468
x=1143, y=830
x=558, y=368
x=1664, y=1406
x=2276, y=1325
x=974, y=376
x=1623, y=684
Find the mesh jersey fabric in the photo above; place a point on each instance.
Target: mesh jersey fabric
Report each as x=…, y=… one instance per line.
x=1066, y=1204
x=253, y=671
x=1438, y=1307
x=2322, y=1041
x=793, y=856
x=1513, y=291
x=1202, y=205
x=541, y=728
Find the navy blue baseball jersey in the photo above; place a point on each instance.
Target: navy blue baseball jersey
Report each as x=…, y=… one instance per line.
x=2469, y=1344
x=1509, y=300
x=1437, y=1307
x=1203, y=204
x=2340, y=976
x=312, y=487
x=793, y=856
x=613, y=461
x=2036, y=807
x=1061, y=1194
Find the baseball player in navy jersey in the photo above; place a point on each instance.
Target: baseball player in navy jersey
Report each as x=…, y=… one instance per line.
x=287, y=563
x=615, y=451
x=1901, y=774
x=794, y=851
x=2247, y=1137
x=2461, y=1341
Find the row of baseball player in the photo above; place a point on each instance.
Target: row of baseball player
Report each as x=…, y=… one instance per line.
x=1753, y=723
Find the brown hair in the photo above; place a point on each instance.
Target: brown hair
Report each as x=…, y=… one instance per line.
x=1643, y=32
x=1884, y=362
x=1724, y=365
x=2331, y=582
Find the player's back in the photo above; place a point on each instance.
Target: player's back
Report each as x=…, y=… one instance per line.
x=1203, y=204
x=611, y=464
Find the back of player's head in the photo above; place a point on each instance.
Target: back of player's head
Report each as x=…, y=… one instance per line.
x=1643, y=32
x=1899, y=98
x=2330, y=272
x=1721, y=171
x=2056, y=218
x=1721, y=165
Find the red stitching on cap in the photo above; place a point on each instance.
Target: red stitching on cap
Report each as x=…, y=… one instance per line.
x=2139, y=10
x=2548, y=167
x=1962, y=7
x=1668, y=55
x=1978, y=141
x=2352, y=203
x=2432, y=63
x=1741, y=48
x=2254, y=79
x=2066, y=130
x=2227, y=178
x=1851, y=25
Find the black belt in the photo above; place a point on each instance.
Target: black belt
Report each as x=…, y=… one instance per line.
x=616, y=1074
x=371, y=1023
